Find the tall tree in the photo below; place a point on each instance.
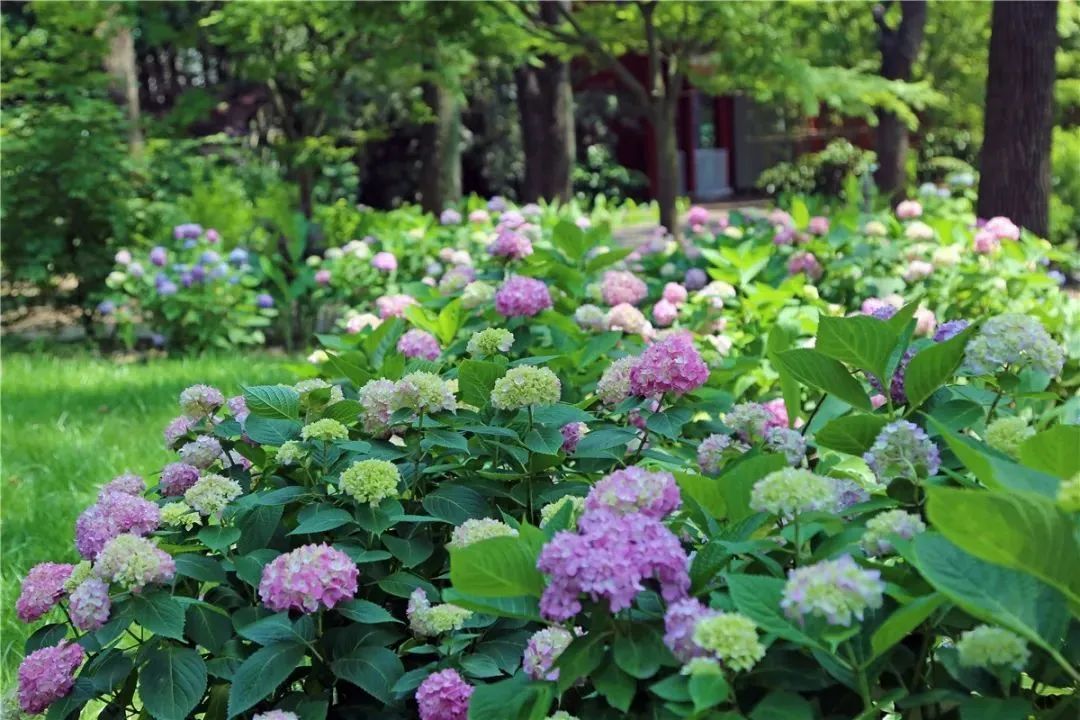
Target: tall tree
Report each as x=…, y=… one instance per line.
x=899, y=46
x=546, y=107
x=121, y=66
x=1014, y=178
x=440, y=178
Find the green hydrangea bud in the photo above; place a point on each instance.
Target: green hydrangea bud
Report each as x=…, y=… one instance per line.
x=326, y=430
x=290, y=452
x=732, y=638
x=179, y=514
x=1007, y=434
x=526, y=385
x=474, y=530
x=427, y=620
x=792, y=490
x=371, y=481
x=211, y=494
x=992, y=647
x=493, y=341
x=424, y=392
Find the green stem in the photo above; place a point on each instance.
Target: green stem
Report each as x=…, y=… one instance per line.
x=993, y=405
x=861, y=682
x=798, y=544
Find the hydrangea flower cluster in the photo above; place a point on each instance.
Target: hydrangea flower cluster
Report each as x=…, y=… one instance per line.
x=672, y=365
x=199, y=401
x=474, y=530
x=992, y=647
x=179, y=514
x=711, y=452
x=635, y=490
x=807, y=264
x=750, y=421
x=212, y=494
x=614, y=384
x=1013, y=340
x=875, y=541
x=789, y=443
x=475, y=294
x=134, y=562
x=543, y=649
x=837, y=590
x=522, y=296
x=572, y=434
x=177, y=429
x=128, y=483
x=418, y=343
x=680, y=620
x=427, y=620
x=377, y=398
x=1007, y=434
x=664, y=313
x=176, y=478
x=510, y=243
x=202, y=452
x=114, y=514
x=41, y=590
x=731, y=638
x=444, y=695
x=90, y=605
x=621, y=286
x=492, y=341
x=369, y=482
x=47, y=675
x=902, y=451
x=577, y=508
x=424, y=392
x=325, y=430
x=526, y=385
x=391, y=306
x=591, y=317
x=309, y=577
x=791, y=491
x=609, y=558
x=626, y=318
x=848, y=494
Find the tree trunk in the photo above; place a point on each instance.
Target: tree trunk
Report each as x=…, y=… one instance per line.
x=899, y=50
x=440, y=177
x=546, y=106
x=667, y=163
x=121, y=66
x=1014, y=178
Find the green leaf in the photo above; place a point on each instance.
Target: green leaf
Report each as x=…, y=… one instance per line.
x=825, y=374
x=859, y=340
x=160, y=613
x=994, y=471
x=852, y=434
x=271, y=431
x=513, y=699
x=344, y=411
x=521, y=607
x=172, y=682
x=373, y=669
x=615, y=685
x=991, y=593
x=561, y=414
x=758, y=597
x=1024, y=532
x=782, y=705
x=320, y=518
x=544, y=439
x=581, y=657
x=269, y=630
x=708, y=690
x=206, y=627
x=737, y=481
x=218, y=538
x=200, y=567
x=569, y=238
x=455, y=504
x=933, y=367
x=476, y=378
x=1055, y=451
x=980, y=708
x=674, y=688
x=436, y=437
x=639, y=650
x=364, y=611
x=273, y=401
x=410, y=551
x=497, y=567
x=902, y=622
x=262, y=673
x=780, y=339
x=705, y=491
x=450, y=321
x=605, y=443
x=668, y=423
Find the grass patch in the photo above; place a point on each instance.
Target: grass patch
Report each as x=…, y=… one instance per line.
x=70, y=424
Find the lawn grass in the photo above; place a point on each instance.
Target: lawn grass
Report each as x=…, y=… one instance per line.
x=70, y=424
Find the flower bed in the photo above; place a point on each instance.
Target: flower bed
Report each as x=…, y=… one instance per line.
x=499, y=500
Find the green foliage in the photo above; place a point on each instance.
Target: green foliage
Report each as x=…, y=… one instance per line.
x=821, y=173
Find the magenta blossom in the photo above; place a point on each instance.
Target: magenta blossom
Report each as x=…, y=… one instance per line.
x=384, y=261
x=309, y=577
x=671, y=365
x=418, y=344
x=522, y=297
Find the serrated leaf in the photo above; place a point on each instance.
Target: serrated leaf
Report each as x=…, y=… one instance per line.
x=373, y=669
x=262, y=673
x=934, y=366
x=172, y=682
x=851, y=434
x=272, y=401
x=825, y=374
x=455, y=504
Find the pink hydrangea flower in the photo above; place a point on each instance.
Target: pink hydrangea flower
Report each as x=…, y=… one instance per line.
x=509, y=243
x=626, y=318
x=778, y=417
x=522, y=297
x=609, y=558
x=128, y=483
x=633, y=490
x=818, y=225
x=384, y=261
x=418, y=344
x=307, y=578
x=805, y=263
x=113, y=515
x=479, y=216
x=675, y=293
x=444, y=696
x=780, y=218
x=572, y=434
x=918, y=270
x=177, y=429
x=672, y=365
x=679, y=622
x=322, y=277
x=238, y=407
x=42, y=588
x=620, y=286
x=1002, y=228
x=47, y=675
x=986, y=242
x=393, y=305
x=697, y=217
x=909, y=209
x=176, y=478
x=664, y=313
x=90, y=604
x=925, y=322
x=198, y=401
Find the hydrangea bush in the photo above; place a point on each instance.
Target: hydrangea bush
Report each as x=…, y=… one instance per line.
x=195, y=292
x=550, y=513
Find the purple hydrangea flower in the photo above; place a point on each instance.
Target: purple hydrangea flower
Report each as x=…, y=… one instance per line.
x=187, y=231
x=42, y=588
x=497, y=203
x=238, y=407
x=178, y=428
x=679, y=622
x=543, y=649
x=128, y=483
x=309, y=577
x=264, y=301
x=384, y=261
x=114, y=514
x=47, y=675
x=90, y=604
x=418, y=343
x=509, y=243
x=671, y=365
x=176, y=478
x=159, y=256
x=450, y=216
x=609, y=558
x=695, y=279
x=902, y=450
x=106, y=307
x=636, y=490
x=444, y=695
x=572, y=434
x=949, y=330
x=620, y=286
x=522, y=297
